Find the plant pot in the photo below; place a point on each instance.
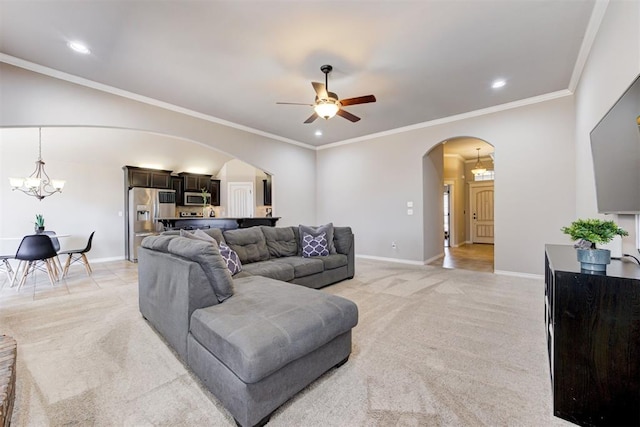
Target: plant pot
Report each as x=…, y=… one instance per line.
x=39, y=229
x=594, y=259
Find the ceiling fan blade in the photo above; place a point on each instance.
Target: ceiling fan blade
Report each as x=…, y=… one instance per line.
x=321, y=90
x=358, y=100
x=294, y=103
x=312, y=118
x=347, y=115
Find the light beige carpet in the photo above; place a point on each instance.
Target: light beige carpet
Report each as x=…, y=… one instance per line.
x=434, y=347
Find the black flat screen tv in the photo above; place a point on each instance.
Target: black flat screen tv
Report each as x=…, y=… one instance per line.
x=615, y=147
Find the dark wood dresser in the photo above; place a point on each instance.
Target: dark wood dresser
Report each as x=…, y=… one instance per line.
x=593, y=339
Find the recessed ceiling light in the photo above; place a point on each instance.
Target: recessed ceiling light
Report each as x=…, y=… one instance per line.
x=318, y=132
x=498, y=83
x=79, y=47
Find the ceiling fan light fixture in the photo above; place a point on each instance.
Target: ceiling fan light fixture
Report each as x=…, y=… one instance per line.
x=326, y=109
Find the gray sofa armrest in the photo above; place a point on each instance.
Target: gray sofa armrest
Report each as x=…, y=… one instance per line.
x=171, y=288
x=344, y=241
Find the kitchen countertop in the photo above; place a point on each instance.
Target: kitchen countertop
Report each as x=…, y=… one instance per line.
x=173, y=218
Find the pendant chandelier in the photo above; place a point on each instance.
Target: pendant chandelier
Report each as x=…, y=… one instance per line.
x=479, y=167
x=38, y=184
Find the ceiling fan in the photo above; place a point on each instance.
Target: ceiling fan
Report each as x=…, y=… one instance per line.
x=327, y=104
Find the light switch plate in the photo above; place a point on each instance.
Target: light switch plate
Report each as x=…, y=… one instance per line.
x=409, y=211
x=409, y=204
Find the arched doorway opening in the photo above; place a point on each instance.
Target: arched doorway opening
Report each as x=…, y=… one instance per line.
x=467, y=182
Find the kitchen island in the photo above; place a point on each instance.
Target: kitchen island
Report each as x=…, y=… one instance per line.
x=192, y=223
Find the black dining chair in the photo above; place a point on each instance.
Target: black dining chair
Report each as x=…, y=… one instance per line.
x=78, y=255
x=37, y=252
x=56, y=245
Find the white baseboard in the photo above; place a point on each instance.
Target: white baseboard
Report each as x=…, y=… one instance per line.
x=109, y=259
x=518, y=274
x=430, y=260
x=396, y=260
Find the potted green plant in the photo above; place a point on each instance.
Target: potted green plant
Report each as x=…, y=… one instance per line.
x=39, y=224
x=589, y=232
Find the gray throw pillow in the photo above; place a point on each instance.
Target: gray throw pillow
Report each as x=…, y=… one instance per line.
x=316, y=231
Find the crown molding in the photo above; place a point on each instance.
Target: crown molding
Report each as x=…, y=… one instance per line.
x=597, y=14
x=455, y=118
x=60, y=75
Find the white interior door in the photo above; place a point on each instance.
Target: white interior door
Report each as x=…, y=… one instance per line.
x=481, y=205
x=240, y=199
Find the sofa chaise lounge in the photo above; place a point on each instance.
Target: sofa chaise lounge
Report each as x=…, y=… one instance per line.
x=253, y=339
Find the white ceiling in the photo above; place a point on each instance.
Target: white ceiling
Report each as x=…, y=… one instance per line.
x=233, y=60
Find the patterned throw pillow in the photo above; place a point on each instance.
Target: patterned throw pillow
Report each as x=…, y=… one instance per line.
x=314, y=246
x=231, y=258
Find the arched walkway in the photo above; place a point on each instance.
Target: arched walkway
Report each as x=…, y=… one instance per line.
x=464, y=201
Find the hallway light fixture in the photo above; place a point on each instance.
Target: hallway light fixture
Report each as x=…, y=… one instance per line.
x=38, y=184
x=479, y=167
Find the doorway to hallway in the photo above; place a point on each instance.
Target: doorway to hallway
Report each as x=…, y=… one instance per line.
x=447, y=215
x=474, y=257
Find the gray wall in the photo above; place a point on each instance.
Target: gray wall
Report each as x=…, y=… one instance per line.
x=367, y=184
x=614, y=62
x=432, y=201
x=31, y=99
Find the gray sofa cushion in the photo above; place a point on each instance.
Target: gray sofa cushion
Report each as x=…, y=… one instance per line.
x=302, y=266
x=158, y=243
x=271, y=269
x=316, y=231
x=281, y=241
x=249, y=244
x=334, y=261
x=342, y=238
x=197, y=235
x=208, y=256
x=216, y=233
x=268, y=324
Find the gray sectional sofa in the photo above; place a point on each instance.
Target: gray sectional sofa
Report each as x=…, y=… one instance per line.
x=255, y=339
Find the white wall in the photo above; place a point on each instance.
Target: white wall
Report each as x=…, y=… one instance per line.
x=367, y=184
x=614, y=62
x=31, y=99
x=91, y=161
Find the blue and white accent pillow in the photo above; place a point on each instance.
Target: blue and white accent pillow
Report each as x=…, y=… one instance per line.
x=314, y=246
x=231, y=259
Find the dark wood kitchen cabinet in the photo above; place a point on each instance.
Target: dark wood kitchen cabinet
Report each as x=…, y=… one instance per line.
x=266, y=191
x=177, y=183
x=195, y=182
x=593, y=340
x=151, y=178
x=215, y=192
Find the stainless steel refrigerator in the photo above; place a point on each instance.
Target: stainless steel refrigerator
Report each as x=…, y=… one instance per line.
x=146, y=205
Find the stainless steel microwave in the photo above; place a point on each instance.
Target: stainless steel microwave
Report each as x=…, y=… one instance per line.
x=195, y=199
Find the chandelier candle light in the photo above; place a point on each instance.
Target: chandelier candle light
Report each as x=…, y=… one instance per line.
x=38, y=184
